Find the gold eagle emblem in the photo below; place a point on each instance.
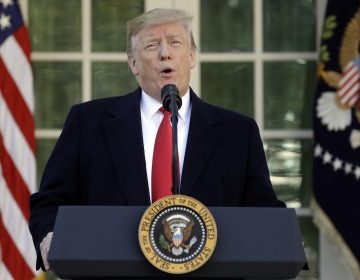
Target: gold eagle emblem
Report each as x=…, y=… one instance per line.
x=348, y=54
x=177, y=230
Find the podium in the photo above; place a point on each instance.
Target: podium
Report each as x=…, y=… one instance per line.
x=101, y=242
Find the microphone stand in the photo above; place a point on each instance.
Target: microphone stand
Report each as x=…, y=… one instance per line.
x=175, y=188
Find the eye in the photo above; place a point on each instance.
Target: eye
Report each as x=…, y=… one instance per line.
x=151, y=46
x=175, y=42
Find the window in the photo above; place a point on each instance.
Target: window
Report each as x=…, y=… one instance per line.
x=256, y=57
x=259, y=58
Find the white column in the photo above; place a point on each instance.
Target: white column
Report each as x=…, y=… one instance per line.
x=331, y=268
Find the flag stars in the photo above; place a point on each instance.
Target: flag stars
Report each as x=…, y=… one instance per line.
x=348, y=168
x=318, y=150
x=4, y=21
x=327, y=157
x=357, y=172
x=6, y=2
x=337, y=164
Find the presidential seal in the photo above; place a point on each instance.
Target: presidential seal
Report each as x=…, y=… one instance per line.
x=177, y=234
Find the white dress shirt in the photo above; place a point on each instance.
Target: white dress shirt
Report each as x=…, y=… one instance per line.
x=151, y=118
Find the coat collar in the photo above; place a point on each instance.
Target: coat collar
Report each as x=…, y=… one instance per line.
x=124, y=136
x=203, y=136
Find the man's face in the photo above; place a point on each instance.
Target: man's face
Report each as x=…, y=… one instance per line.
x=162, y=56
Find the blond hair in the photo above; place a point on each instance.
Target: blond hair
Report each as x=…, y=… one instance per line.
x=158, y=16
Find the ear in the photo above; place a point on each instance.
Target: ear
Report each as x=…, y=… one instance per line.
x=133, y=65
x=192, y=59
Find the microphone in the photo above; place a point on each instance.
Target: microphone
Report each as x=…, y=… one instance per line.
x=172, y=103
x=169, y=97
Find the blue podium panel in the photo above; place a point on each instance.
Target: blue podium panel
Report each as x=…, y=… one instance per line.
x=102, y=242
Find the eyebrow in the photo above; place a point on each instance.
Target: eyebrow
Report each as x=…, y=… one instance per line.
x=153, y=37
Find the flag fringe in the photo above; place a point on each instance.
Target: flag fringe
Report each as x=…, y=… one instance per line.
x=344, y=254
x=40, y=276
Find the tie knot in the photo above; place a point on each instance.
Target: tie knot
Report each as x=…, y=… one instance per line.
x=162, y=110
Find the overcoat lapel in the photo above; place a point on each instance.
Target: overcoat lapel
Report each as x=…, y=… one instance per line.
x=203, y=136
x=124, y=136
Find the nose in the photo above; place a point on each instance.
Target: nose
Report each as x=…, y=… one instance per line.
x=164, y=52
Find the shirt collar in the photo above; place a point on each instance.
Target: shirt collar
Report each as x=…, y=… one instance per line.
x=150, y=106
x=185, y=107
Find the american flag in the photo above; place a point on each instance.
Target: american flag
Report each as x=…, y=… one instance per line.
x=17, y=145
x=349, y=85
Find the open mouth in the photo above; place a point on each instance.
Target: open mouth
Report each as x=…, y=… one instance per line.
x=166, y=71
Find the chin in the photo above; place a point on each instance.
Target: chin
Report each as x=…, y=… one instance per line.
x=169, y=82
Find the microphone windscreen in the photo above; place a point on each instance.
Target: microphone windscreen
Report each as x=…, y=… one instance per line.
x=167, y=92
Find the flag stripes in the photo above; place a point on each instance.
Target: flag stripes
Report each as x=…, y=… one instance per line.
x=17, y=146
x=15, y=225
x=22, y=38
x=19, y=68
x=349, y=85
x=4, y=273
x=14, y=181
x=12, y=258
x=16, y=103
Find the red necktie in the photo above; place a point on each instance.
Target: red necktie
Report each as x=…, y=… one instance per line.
x=161, y=180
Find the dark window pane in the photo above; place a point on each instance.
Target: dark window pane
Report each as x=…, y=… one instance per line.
x=229, y=85
x=226, y=26
x=57, y=87
x=109, y=19
x=112, y=79
x=55, y=25
x=290, y=165
x=289, y=25
x=288, y=94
